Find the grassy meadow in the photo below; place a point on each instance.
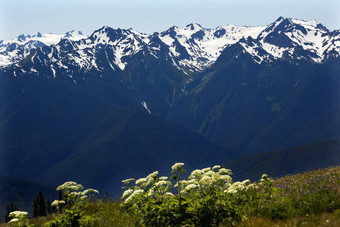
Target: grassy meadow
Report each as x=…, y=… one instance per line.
x=208, y=197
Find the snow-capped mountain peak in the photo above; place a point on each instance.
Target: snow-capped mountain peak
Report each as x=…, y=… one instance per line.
x=297, y=39
x=14, y=50
x=191, y=48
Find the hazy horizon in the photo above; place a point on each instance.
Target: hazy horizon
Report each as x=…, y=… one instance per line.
x=148, y=16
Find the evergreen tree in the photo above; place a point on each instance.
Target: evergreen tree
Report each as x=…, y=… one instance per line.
x=7, y=214
x=42, y=204
x=35, y=208
x=12, y=207
x=49, y=207
x=39, y=205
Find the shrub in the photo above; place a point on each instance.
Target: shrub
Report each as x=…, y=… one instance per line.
x=207, y=198
x=71, y=208
x=18, y=218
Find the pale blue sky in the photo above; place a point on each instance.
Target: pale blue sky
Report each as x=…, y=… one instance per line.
x=30, y=16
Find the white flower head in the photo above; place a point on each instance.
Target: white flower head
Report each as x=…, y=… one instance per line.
x=230, y=191
x=190, y=187
x=127, y=193
x=66, y=185
x=226, y=178
x=177, y=166
x=70, y=185
x=14, y=220
x=135, y=193
x=216, y=167
x=151, y=192
x=206, y=180
x=206, y=169
x=127, y=181
x=152, y=175
x=75, y=194
x=197, y=173
x=250, y=186
x=56, y=203
x=141, y=181
x=209, y=173
x=168, y=194
x=163, y=178
x=90, y=190
x=225, y=171
x=83, y=197
x=17, y=214
x=246, y=182
x=161, y=183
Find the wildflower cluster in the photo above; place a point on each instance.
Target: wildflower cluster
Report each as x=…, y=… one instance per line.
x=207, y=197
x=71, y=206
x=18, y=218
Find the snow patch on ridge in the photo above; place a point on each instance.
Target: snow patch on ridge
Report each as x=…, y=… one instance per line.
x=145, y=106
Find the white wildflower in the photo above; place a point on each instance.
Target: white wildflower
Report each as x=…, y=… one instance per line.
x=197, y=173
x=17, y=214
x=231, y=191
x=77, y=187
x=141, y=181
x=151, y=192
x=161, y=183
x=216, y=167
x=177, y=166
x=127, y=193
x=226, y=178
x=264, y=176
x=152, y=175
x=206, y=169
x=206, y=180
x=75, y=194
x=66, y=185
x=190, y=186
x=250, y=186
x=57, y=203
x=135, y=193
x=127, y=181
x=192, y=181
x=163, y=178
x=87, y=191
x=83, y=197
x=224, y=171
x=169, y=194
x=209, y=173
x=14, y=220
x=246, y=182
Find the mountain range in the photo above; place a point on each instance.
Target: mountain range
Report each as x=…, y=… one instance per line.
x=119, y=103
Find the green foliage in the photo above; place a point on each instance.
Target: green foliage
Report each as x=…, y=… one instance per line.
x=72, y=206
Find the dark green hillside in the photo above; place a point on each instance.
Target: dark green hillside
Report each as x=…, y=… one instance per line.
x=136, y=145
x=287, y=161
x=255, y=107
x=21, y=193
x=93, y=132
